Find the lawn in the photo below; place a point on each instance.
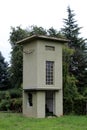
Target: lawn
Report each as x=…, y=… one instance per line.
x=11, y=121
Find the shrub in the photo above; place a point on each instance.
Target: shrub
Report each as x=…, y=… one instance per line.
x=16, y=105
x=77, y=106
x=5, y=101
x=11, y=100
x=15, y=93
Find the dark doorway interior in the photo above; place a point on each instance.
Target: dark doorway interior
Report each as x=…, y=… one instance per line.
x=49, y=100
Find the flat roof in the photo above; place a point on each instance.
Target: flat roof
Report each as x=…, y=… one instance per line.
x=41, y=37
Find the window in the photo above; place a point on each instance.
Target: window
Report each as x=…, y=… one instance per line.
x=30, y=99
x=50, y=48
x=49, y=72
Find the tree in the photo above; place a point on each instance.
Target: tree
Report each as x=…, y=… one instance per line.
x=34, y=30
x=78, y=60
x=16, y=68
x=4, y=82
x=70, y=91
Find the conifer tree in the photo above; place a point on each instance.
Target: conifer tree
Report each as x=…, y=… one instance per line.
x=78, y=61
x=3, y=73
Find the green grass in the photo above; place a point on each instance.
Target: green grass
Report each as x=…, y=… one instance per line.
x=11, y=121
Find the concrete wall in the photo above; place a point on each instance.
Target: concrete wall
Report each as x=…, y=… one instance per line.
x=29, y=111
x=35, y=56
x=58, y=103
x=41, y=104
x=30, y=77
x=34, y=71
x=47, y=55
x=38, y=107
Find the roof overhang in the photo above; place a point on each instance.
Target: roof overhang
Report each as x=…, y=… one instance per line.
x=41, y=37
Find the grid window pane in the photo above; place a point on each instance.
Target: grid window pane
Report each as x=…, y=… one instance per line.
x=49, y=72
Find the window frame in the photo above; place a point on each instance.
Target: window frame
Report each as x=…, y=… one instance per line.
x=50, y=72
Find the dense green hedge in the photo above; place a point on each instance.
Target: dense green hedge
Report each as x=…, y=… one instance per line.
x=77, y=106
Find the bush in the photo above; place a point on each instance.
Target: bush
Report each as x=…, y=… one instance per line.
x=77, y=106
x=16, y=105
x=2, y=95
x=5, y=102
x=5, y=105
x=67, y=106
x=80, y=106
x=11, y=100
x=15, y=93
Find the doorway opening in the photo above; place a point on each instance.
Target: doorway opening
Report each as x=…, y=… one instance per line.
x=49, y=103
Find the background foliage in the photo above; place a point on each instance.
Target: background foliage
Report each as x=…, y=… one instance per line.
x=74, y=67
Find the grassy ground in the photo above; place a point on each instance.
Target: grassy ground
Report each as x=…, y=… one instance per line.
x=10, y=121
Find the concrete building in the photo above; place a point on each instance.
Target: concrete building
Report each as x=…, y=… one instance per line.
x=42, y=76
